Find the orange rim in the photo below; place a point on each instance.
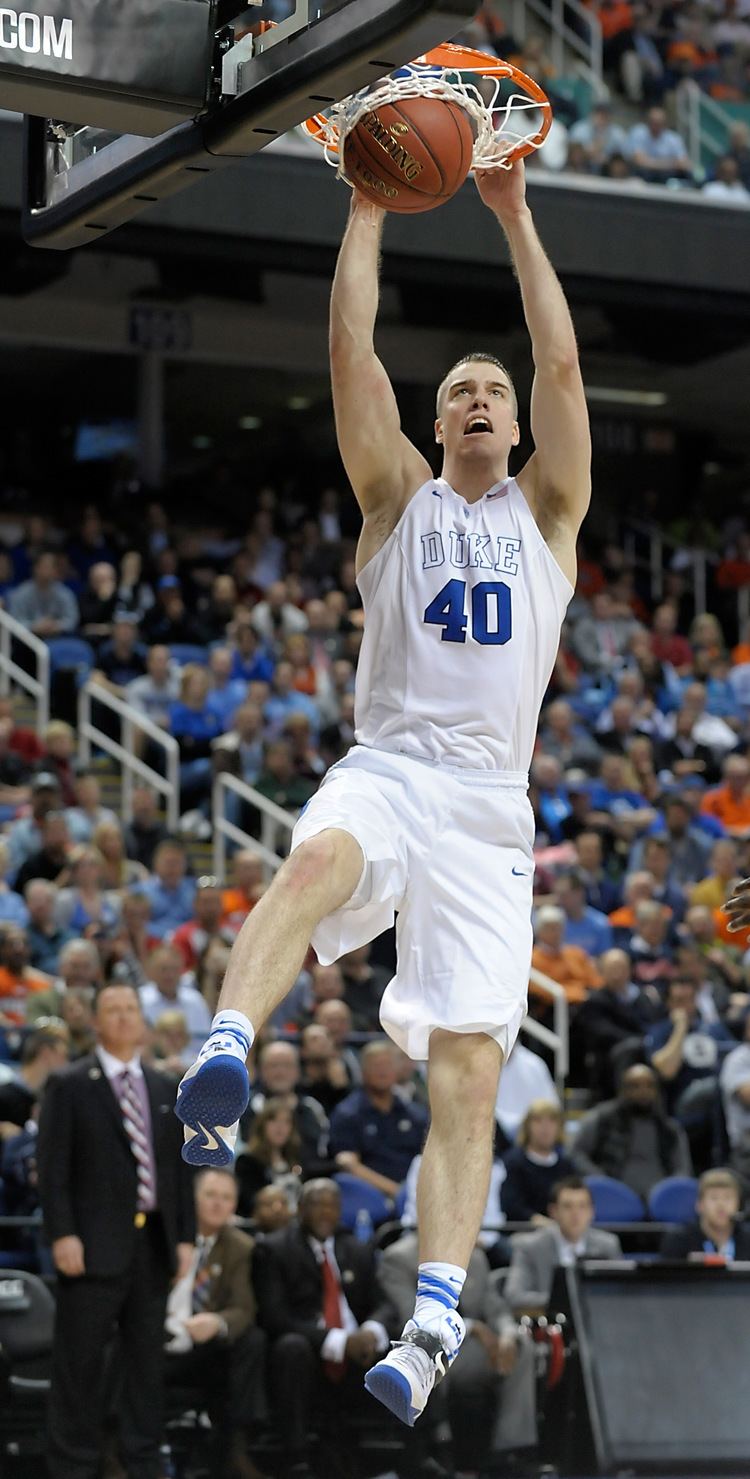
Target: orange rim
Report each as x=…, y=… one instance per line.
x=455, y=58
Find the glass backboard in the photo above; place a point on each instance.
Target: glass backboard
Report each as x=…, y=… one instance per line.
x=81, y=181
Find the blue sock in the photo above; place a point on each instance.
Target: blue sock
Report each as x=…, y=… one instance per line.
x=439, y=1289
x=239, y=1027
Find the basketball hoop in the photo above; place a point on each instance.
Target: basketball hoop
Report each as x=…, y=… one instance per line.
x=457, y=74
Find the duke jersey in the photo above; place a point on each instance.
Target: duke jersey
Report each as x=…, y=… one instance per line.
x=463, y=609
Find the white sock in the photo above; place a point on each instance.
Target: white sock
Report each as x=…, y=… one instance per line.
x=439, y=1289
x=238, y=1027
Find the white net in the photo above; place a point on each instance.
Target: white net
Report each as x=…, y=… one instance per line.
x=502, y=129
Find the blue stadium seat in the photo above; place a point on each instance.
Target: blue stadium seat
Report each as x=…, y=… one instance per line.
x=184, y=652
x=71, y=652
x=614, y=1201
x=673, y=1199
x=357, y=1196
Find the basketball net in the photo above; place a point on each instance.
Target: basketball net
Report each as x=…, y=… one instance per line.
x=504, y=131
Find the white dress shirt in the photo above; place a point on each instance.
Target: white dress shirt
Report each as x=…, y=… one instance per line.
x=334, y=1345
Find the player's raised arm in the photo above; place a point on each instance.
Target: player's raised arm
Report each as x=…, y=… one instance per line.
x=559, y=474
x=382, y=465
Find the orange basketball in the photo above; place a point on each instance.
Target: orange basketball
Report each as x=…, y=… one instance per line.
x=412, y=155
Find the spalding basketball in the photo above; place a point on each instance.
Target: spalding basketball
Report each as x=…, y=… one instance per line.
x=411, y=155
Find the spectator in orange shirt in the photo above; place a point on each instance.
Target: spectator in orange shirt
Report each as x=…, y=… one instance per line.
x=569, y=965
x=730, y=803
x=248, y=885
x=17, y=980
x=637, y=889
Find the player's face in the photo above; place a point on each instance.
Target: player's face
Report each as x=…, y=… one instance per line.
x=478, y=417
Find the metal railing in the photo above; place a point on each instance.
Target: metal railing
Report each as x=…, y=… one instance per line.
x=557, y=1036
x=586, y=44
x=35, y=684
x=133, y=723
x=658, y=542
x=694, y=110
x=273, y=819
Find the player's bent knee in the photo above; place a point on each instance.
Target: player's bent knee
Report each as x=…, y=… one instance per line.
x=463, y=1075
x=325, y=870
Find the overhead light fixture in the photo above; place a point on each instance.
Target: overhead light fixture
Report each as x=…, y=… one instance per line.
x=249, y=423
x=615, y=397
x=202, y=443
x=299, y=403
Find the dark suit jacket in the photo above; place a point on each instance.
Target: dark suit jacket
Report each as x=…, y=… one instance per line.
x=688, y=1237
x=88, y=1183
x=289, y=1286
x=230, y=1292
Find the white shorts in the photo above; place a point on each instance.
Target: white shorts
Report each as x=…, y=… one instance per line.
x=450, y=851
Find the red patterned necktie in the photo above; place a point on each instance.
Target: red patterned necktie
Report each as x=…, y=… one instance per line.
x=332, y=1313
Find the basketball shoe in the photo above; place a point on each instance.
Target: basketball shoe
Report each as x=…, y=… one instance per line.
x=404, y=1379
x=211, y=1098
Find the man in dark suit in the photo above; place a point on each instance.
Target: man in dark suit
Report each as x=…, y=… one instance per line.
x=317, y=1300
x=215, y=1343
x=717, y=1229
x=118, y=1212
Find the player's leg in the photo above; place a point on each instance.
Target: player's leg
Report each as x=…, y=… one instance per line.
x=454, y=1176
x=320, y=876
x=452, y=1192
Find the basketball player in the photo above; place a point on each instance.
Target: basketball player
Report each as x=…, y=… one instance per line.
x=465, y=580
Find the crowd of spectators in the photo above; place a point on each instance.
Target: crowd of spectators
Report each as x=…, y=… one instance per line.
x=245, y=649
x=650, y=51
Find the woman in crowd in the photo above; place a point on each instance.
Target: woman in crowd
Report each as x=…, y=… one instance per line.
x=272, y=1156
x=86, y=905
x=535, y=1163
x=118, y=870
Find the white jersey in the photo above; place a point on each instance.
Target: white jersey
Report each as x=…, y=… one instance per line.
x=463, y=609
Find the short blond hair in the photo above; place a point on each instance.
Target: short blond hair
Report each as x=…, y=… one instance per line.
x=721, y=1176
x=538, y=1109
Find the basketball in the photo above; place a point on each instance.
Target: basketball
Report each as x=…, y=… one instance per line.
x=411, y=155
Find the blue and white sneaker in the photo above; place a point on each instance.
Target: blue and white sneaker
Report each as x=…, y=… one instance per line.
x=404, y=1379
x=210, y=1100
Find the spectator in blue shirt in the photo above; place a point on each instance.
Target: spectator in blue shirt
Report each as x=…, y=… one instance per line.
x=602, y=892
x=12, y=907
x=25, y=836
x=374, y=1134
x=549, y=797
x=689, y=848
x=226, y=693
x=44, y=604
x=687, y=1055
x=171, y=894
x=44, y=934
x=584, y=926
x=657, y=152
x=194, y=726
x=286, y=700
x=610, y=794
x=657, y=860
x=249, y=661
